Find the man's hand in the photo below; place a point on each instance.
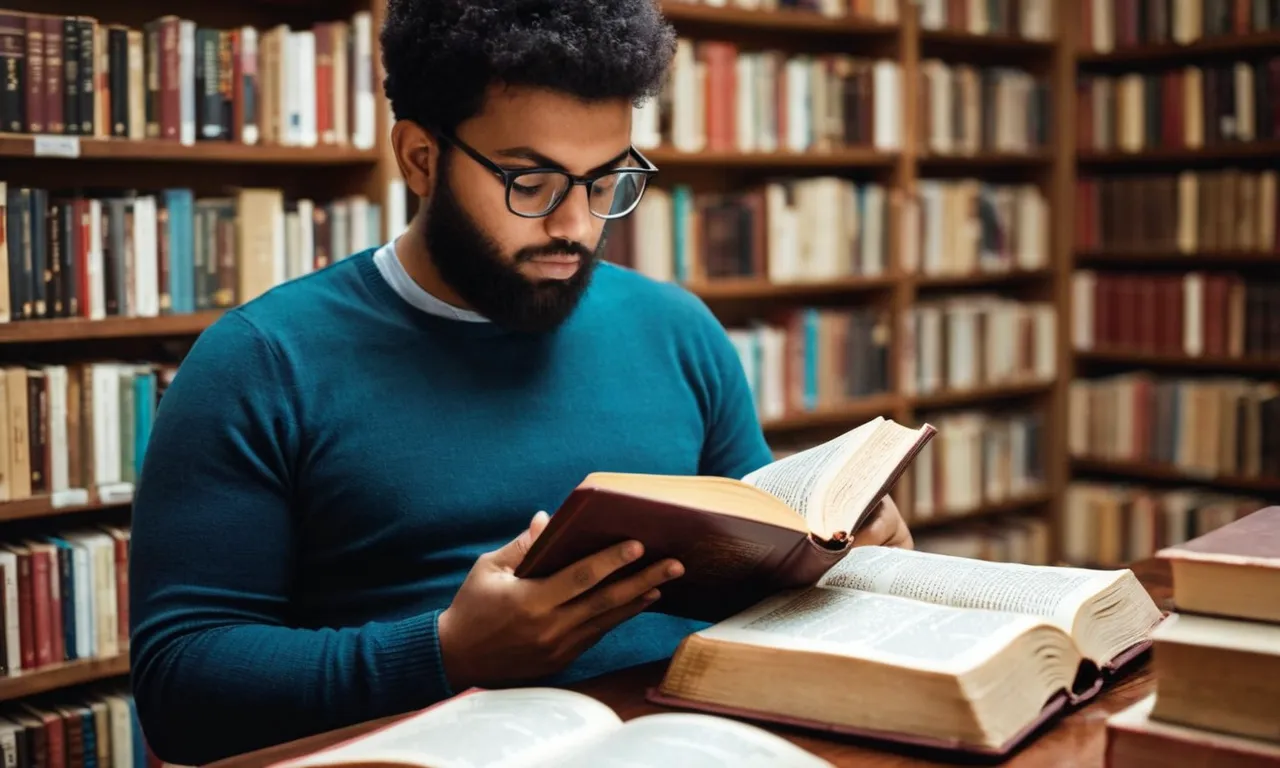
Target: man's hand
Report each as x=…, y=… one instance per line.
x=885, y=528
x=500, y=629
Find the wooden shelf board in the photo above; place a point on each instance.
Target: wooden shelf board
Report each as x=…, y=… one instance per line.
x=1139, y=359
x=74, y=329
x=958, y=39
x=984, y=160
x=1229, y=45
x=20, y=145
x=1137, y=470
x=42, y=506
x=977, y=396
x=858, y=411
x=781, y=20
x=1209, y=154
x=995, y=509
x=1195, y=259
x=853, y=157
x=757, y=288
x=53, y=677
x=981, y=279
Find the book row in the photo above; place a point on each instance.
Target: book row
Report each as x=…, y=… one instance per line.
x=1191, y=211
x=77, y=429
x=1112, y=524
x=814, y=359
x=977, y=459
x=1029, y=19
x=145, y=254
x=66, y=597
x=802, y=229
x=1189, y=107
x=1213, y=314
x=1203, y=427
x=720, y=98
x=92, y=727
x=967, y=109
x=1017, y=539
x=882, y=11
x=970, y=226
x=971, y=342
x=1108, y=25
x=176, y=80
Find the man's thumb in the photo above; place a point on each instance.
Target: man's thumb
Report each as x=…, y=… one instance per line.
x=511, y=555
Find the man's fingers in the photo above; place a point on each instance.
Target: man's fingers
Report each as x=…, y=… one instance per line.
x=512, y=553
x=588, y=634
x=884, y=528
x=613, y=596
x=582, y=576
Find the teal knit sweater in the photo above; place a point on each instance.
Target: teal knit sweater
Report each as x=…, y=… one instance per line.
x=329, y=462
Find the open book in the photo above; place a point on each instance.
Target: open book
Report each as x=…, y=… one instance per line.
x=740, y=541
x=536, y=727
x=919, y=648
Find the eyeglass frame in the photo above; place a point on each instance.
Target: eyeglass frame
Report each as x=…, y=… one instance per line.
x=508, y=177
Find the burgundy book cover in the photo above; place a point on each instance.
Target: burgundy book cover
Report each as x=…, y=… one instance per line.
x=1251, y=540
x=1060, y=703
x=730, y=562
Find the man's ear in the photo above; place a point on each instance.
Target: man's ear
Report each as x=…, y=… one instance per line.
x=417, y=153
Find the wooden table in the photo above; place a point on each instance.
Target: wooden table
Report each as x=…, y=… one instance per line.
x=1075, y=741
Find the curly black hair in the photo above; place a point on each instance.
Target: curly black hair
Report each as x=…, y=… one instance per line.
x=441, y=55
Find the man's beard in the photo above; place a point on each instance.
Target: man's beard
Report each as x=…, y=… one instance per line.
x=471, y=263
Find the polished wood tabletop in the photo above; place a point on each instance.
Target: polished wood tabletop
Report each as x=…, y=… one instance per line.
x=1074, y=741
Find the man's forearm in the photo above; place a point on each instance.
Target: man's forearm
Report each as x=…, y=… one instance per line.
x=223, y=691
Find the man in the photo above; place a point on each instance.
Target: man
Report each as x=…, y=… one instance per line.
x=346, y=470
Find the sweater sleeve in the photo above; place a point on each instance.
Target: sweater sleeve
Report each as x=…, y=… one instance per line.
x=217, y=668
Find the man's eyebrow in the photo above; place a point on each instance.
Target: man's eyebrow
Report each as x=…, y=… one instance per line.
x=533, y=155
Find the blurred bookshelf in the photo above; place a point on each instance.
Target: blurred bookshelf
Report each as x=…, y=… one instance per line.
x=943, y=210
x=1174, y=404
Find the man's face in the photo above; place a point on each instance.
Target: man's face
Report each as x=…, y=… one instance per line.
x=526, y=274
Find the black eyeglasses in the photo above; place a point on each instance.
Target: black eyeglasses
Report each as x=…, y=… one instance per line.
x=536, y=192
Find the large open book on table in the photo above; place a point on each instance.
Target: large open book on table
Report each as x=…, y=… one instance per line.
x=740, y=541
x=913, y=647
x=543, y=727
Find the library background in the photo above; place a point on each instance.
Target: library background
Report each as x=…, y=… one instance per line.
x=1046, y=227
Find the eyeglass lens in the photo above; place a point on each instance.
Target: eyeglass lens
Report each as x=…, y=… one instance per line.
x=614, y=194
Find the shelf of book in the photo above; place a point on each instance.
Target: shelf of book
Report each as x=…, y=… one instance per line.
x=1224, y=152
x=995, y=509
x=1181, y=362
x=957, y=42
x=849, y=415
x=1161, y=257
x=1247, y=45
x=980, y=396
x=980, y=279
x=44, y=506
x=834, y=159
x=750, y=288
x=56, y=676
x=78, y=329
x=781, y=20
x=984, y=161
x=55, y=147
x=1162, y=473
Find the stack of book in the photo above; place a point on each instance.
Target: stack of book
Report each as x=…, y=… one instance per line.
x=1216, y=658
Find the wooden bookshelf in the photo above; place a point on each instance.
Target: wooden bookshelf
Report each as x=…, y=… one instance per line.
x=73, y=148
x=853, y=157
x=782, y=20
x=64, y=675
x=758, y=289
x=64, y=329
x=1160, y=56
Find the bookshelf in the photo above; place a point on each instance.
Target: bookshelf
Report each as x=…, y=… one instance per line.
x=1171, y=411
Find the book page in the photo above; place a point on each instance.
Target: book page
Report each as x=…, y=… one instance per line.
x=884, y=628
x=484, y=729
x=798, y=479
x=690, y=741
x=858, y=482
x=1054, y=592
